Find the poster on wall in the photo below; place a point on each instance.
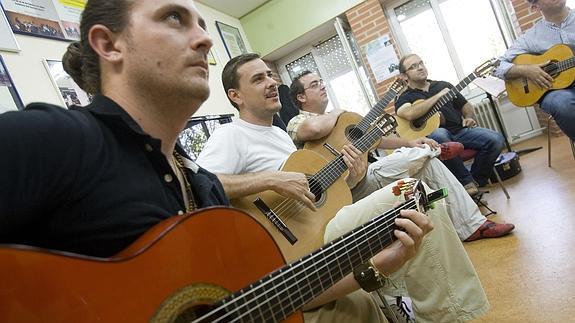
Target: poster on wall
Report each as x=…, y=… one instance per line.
x=59, y=19
x=70, y=92
x=7, y=40
x=382, y=58
x=9, y=98
x=232, y=39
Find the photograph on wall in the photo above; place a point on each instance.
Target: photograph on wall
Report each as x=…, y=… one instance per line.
x=9, y=98
x=70, y=92
x=45, y=18
x=7, y=40
x=232, y=39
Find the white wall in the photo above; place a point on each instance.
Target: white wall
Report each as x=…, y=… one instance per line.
x=218, y=102
x=28, y=72
x=34, y=85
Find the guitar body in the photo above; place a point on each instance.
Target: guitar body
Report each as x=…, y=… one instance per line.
x=343, y=133
x=523, y=93
x=407, y=130
x=184, y=264
x=306, y=225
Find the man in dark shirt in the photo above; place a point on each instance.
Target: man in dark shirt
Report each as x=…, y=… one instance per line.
x=93, y=179
x=457, y=122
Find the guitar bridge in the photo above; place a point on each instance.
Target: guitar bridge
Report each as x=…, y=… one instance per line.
x=275, y=220
x=331, y=149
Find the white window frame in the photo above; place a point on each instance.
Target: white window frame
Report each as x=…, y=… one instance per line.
x=499, y=12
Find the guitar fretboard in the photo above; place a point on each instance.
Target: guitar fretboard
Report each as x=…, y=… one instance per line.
x=286, y=290
x=376, y=111
x=444, y=99
x=335, y=168
x=562, y=66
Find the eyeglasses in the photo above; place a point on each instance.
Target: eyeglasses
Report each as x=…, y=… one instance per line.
x=415, y=66
x=315, y=84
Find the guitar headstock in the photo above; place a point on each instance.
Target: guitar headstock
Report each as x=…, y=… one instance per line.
x=486, y=68
x=386, y=123
x=398, y=85
x=412, y=189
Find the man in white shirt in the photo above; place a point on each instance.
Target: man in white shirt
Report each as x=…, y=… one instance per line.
x=440, y=265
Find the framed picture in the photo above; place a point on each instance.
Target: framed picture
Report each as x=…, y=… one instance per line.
x=9, y=98
x=7, y=40
x=70, y=92
x=53, y=19
x=232, y=39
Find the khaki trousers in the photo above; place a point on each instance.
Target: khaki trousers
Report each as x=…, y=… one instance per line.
x=440, y=280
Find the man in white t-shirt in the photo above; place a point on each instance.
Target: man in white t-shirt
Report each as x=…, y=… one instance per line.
x=247, y=154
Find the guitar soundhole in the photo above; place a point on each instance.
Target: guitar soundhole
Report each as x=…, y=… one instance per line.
x=190, y=303
x=353, y=133
x=192, y=313
x=317, y=190
x=417, y=124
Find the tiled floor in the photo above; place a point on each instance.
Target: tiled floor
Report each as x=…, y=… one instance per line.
x=529, y=276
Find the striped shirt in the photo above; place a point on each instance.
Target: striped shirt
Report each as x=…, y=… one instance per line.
x=542, y=36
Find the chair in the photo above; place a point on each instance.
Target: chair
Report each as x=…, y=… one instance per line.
x=468, y=154
x=549, y=142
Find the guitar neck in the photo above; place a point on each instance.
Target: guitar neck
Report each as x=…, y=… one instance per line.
x=376, y=111
x=286, y=290
x=565, y=64
x=447, y=98
x=335, y=168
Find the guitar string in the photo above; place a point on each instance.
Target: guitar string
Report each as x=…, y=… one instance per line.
x=331, y=173
x=334, y=246
x=390, y=94
x=339, y=245
x=371, y=116
x=361, y=248
x=444, y=99
x=338, y=165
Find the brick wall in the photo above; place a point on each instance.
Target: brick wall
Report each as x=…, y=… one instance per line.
x=526, y=17
x=368, y=22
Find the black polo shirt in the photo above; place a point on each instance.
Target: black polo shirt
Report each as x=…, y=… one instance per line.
x=87, y=180
x=451, y=110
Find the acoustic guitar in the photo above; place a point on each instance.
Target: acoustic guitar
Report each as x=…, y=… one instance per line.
x=351, y=126
x=191, y=268
x=296, y=229
x=524, y=93
x=430, y=121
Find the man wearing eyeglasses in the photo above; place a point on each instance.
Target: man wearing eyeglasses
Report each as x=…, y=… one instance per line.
x=556, y=27
x=457, y=122
x=414, y=159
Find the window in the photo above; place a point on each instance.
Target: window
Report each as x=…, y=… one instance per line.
x=453, y=37
x=197, y=132
x=330, y=60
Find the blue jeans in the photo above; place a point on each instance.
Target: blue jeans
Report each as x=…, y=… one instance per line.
x=561, y=105
x=488, y=144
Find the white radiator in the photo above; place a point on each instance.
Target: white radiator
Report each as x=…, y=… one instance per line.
x=485, y=115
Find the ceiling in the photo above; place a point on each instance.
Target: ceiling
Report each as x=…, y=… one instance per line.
x=234, y=8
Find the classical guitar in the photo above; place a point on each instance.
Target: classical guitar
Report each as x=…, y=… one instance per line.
x=560, y=63
x=351, y=126
x=297, y=229
x=428, y=122
x=191, y=268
